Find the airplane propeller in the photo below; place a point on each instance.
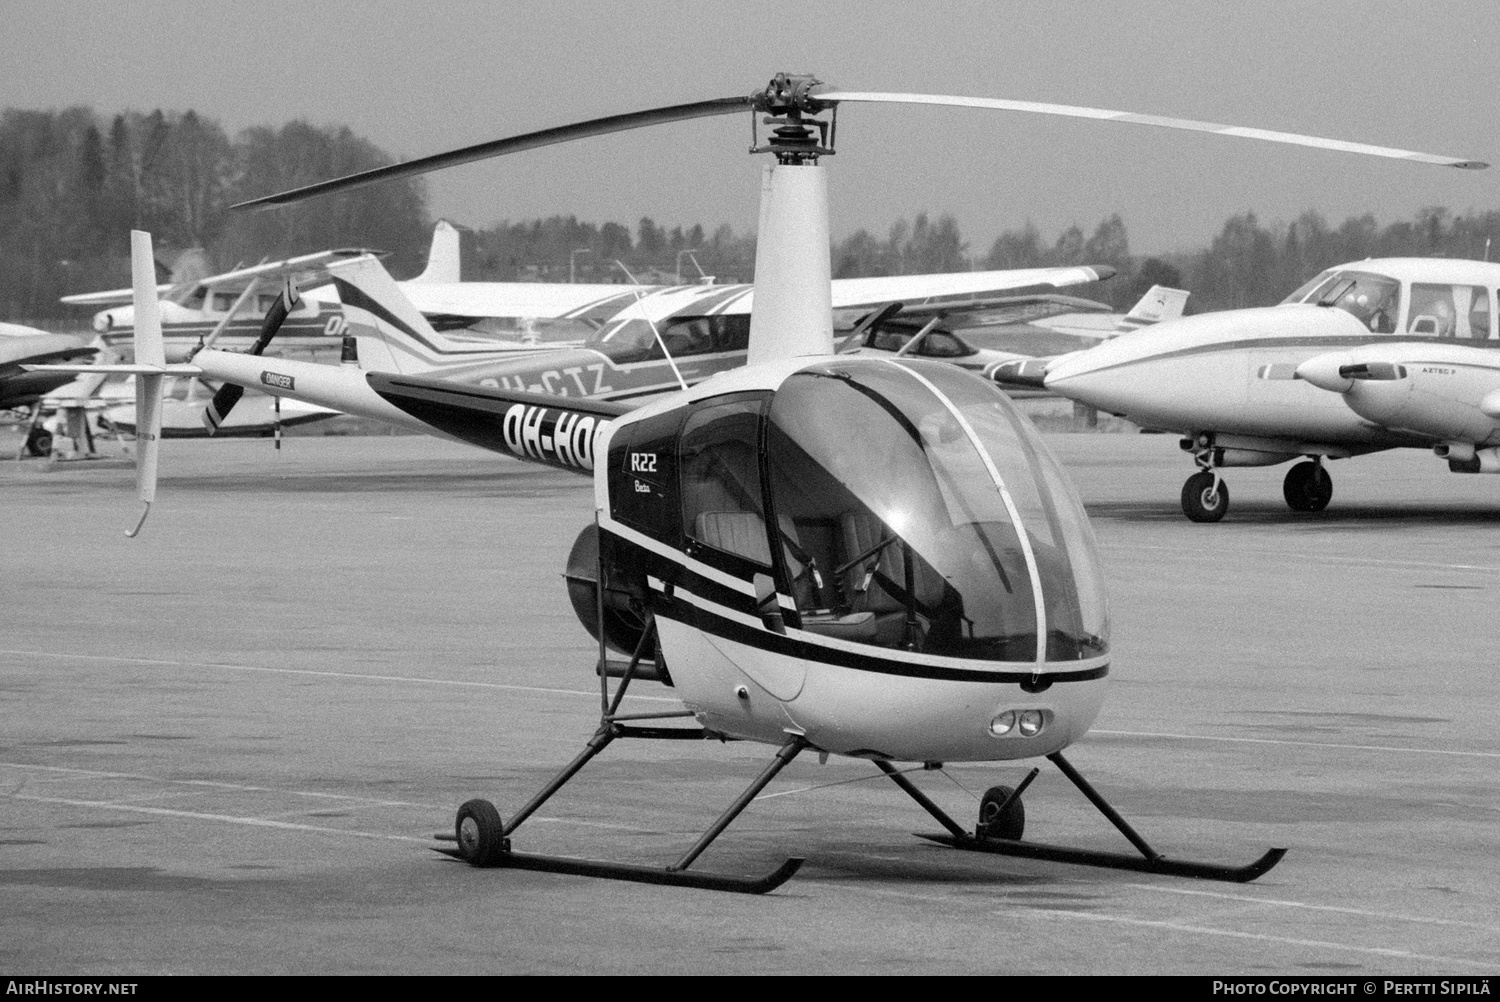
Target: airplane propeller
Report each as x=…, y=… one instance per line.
x=217, y=411
x=787, y=98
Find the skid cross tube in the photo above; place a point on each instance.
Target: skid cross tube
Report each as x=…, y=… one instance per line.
x=678, y=873
x=1150, y=861
x=784, y=755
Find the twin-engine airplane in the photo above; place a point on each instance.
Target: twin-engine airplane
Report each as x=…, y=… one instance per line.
x=876, y=558
x=1242, y=389
x=1439, y=381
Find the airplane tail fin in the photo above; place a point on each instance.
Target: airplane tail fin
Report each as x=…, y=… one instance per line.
x=391, y=335
x=1160, y=303
x=443, y=258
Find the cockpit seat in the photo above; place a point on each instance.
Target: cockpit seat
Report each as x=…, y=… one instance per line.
x=860, y=627
x=742, y=533
x=877, y=585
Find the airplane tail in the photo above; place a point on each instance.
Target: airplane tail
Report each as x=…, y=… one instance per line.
x=443, y=258
x=392, y=335
x=1160, y=303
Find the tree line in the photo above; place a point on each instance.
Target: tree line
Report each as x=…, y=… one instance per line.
x=73, y=183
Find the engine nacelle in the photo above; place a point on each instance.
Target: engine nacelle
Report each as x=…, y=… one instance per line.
x=624, y=612
x=1477, y=461
x=1250, y=457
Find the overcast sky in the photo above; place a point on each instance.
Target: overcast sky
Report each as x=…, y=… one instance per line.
x=417, y=78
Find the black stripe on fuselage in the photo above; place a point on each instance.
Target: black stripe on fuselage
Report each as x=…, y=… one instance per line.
x=682, y=576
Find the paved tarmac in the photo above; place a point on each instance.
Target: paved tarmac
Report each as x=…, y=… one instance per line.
x=224, y=745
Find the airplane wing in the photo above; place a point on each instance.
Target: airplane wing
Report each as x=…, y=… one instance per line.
x=309, y=269
x=548, y=300
x=971, y=286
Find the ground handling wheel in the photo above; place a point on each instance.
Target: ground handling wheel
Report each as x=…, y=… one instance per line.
x=39, y=442
x=1202, y=500
x=480, y=834
x=995, y=823
x=1307, y=487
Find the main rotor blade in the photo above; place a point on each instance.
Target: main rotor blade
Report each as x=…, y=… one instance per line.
x=1100, y=114
x=501, y=147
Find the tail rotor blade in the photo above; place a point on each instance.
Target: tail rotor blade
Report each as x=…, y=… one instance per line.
x=217, y=411
x=219, y=407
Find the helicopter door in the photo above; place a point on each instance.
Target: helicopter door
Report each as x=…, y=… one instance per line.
x=723, y=514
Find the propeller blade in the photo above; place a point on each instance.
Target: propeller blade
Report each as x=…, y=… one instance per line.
x=229, y=394
x=502, y=147
x=1101, y=114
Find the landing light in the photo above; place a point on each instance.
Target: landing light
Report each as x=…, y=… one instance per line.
x=1031, y=723
x=1002, y=724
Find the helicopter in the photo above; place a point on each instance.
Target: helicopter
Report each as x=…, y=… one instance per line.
x=876, y=558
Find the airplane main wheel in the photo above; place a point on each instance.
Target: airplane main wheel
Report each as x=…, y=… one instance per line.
x=1202, y=501
x=993, y=823
x=480, y=833
x=39, y=442
x=1307, y=487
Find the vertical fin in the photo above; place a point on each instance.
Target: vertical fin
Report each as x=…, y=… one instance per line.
x=149, y=350
x=443, y=258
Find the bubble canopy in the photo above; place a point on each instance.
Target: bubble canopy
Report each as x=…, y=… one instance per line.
x=917, y=494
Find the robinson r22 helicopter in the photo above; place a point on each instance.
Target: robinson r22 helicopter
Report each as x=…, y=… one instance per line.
x=876, y=558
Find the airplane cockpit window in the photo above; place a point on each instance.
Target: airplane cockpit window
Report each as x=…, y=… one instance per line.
x=635, y=341
x=1304, y=292
x=224, y=301
x=936, y=343
x=1373, y=300
x=720, y=470
x=928, y=516
x=1441, y=310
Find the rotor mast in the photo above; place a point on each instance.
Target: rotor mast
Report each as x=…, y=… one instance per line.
x=793, y=311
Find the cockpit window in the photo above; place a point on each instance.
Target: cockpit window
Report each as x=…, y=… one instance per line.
x=1304, y=293
x=721, y=495
x=1449, y=310
x=935, y=344
x=918, y=499
x=1373, y=300
x=635, y=341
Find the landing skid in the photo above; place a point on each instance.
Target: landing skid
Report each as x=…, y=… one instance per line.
x=483, y=839
x=1149, y=860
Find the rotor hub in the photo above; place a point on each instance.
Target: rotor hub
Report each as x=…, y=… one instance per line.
x=784, y=102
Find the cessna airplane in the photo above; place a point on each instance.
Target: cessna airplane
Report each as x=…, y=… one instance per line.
x=1016, y=327
x=926, y=589
x=1440, y=380
x=1233, y=383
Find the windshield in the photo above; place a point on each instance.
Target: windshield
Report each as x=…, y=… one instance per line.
x=1373, y=300
x=915, y=493
x=635, y=340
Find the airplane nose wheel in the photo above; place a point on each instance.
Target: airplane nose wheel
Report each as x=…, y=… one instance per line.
x=480, y=833
x=1307, y=487
x=1205, y=497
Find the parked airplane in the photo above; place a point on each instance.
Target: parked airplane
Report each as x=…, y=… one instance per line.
x=1444, y=387
x=705, y=330
x=22, y=346
x=1228, y=381
x=1017, y=327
